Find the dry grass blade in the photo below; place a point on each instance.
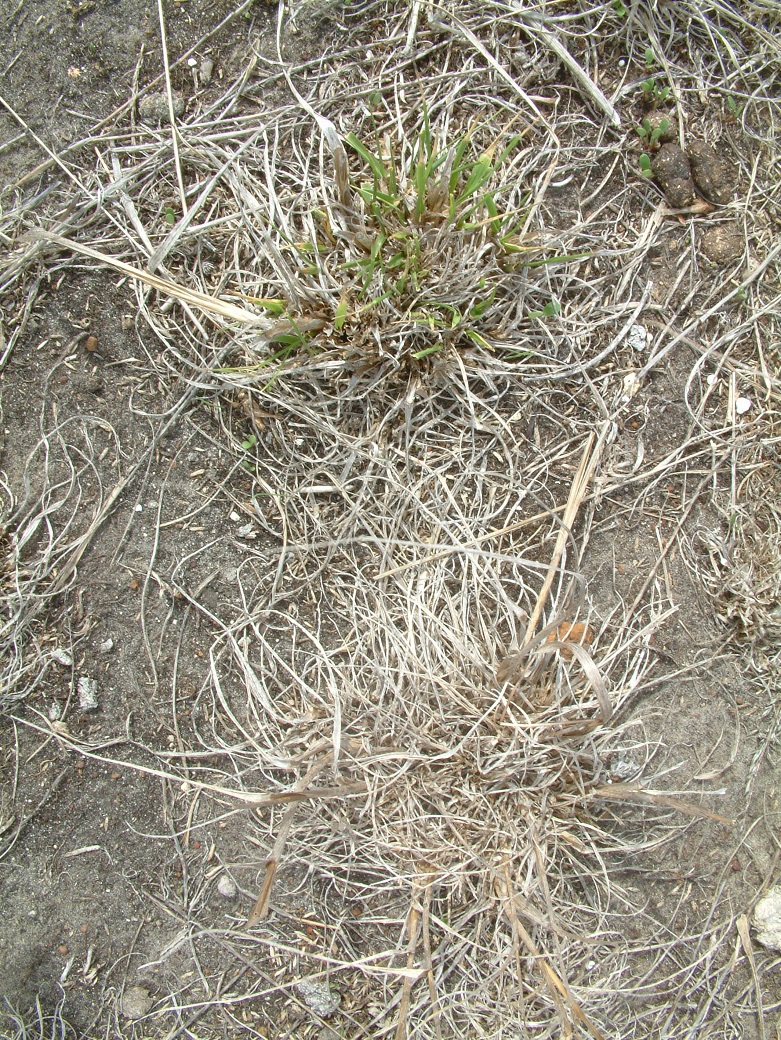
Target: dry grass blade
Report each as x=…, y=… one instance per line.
x=208, y=304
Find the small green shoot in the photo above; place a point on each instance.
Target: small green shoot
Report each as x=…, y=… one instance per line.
x=735, y=110
x=644, y=163
x=170, y=216
x=550, y=310
x=619, y=8
x=249, y=443
x=651, y=134
x=653, y=94
x=341, y=314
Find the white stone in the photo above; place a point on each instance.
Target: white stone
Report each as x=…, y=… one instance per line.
x=767, y=919
x=227, y=887
x=62, y=657
x=637, y=338
x=742, y=405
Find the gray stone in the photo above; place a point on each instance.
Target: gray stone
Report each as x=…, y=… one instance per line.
x=136, y=1002
x=318, y=997
x=153, y=108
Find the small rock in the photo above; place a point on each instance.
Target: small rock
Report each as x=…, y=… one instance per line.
x=637, y=338
x=742, y=405
x=205, y=72
x=88, y=693
x=767, y=919
x=713, y=178
x=106, y=646
x=153, y=108
x=721, y=244
x=55, y=711
x=136, y=1002
x=227, y=887
x=318, y=997
x=672, y=172
x=62, y=657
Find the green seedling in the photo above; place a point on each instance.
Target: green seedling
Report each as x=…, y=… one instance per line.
x=653, y=94
x=169, y=215
x=735, y=110
x=619, y=8
x=650, y=134
x=249, y=443
x=644, y=163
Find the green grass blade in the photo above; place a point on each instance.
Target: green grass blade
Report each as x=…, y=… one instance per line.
x=481, y=171
x=374, y=162
x=426, y=351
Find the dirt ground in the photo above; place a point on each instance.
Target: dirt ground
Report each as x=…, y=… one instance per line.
x=125, y=891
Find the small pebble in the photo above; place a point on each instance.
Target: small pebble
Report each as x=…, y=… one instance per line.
x=318, y=997
x=153, y=108
x=136, y=1002
x=742, y=405
x=88, y=693
x=91, y=344
x=62, y=657
x=637, y=338
x=62, y=950
x=227, y=887
x=205, y=71
x=106, y=646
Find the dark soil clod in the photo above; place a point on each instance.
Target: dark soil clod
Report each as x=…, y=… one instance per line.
x=712, y=176
x=672, y=172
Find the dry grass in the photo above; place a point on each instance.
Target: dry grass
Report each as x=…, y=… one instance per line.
x=425, y=488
